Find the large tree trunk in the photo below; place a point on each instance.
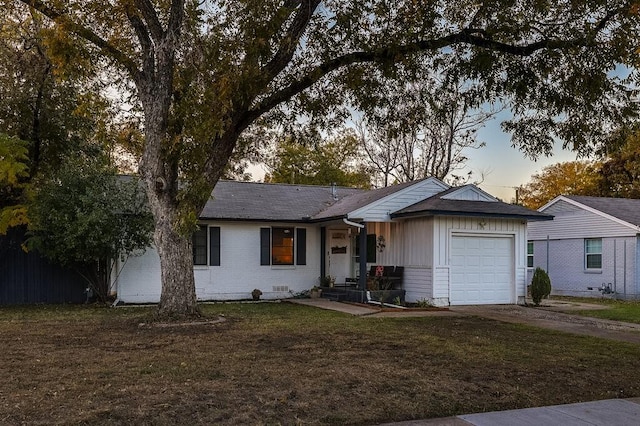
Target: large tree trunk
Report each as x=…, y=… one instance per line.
x=178, y=297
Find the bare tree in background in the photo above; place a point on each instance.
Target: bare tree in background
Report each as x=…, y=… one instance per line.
x=414, y=135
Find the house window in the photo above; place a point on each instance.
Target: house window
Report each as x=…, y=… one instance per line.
x=593, y=253
x=199, y=241
x=529, y=254
x=279, y=246
x=282, y=246
x=203, y=253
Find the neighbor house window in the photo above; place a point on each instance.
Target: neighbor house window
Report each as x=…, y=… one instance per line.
x=529, y=254
x=203, y=252
x=593, y=253
x=280, y=246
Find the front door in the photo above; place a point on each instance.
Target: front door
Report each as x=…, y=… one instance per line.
x=339, y=254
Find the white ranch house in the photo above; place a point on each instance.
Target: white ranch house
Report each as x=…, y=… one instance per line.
x=592, y=242
x=457, y=245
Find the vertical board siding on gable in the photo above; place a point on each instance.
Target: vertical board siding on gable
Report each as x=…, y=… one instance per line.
x=566, y=266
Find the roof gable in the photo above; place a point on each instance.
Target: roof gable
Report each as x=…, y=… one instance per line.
x=469, y=193
x=624, y=211
x=444, y=205
x=381, y=208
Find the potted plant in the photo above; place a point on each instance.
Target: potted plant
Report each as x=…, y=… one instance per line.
x=256, y=293
x=327, y=281
x=315, y=292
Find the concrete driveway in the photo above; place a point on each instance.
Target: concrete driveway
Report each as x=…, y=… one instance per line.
x=553, y=315
x=556, y=315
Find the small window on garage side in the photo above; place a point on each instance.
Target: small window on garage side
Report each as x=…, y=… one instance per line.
x=593, y=253
x=529, y=254
x=199, y=241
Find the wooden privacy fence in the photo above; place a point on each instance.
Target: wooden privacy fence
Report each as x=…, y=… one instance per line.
x=27, y=278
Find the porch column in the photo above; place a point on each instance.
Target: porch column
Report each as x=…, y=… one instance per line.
x=323, y=254
x=362, y=282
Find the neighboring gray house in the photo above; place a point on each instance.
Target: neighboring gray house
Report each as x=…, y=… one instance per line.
x=456, y=245
x=592, y=242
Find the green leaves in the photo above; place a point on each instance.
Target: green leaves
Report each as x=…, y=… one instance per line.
x=14, y=155
x=13, y=173
x=86, y=213
x=319, y=162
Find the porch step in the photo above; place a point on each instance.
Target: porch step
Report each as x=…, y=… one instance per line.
x=334, y=295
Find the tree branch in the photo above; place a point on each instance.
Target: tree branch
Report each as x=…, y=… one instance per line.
x=151, y=18
x=107, y=48
x=290, y=40
x=390, y=53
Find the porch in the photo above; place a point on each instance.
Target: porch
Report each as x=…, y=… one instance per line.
x=349, y=293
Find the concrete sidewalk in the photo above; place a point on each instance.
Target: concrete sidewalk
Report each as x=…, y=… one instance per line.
x=610, y=412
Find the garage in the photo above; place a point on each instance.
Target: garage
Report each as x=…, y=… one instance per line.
x=482, y=270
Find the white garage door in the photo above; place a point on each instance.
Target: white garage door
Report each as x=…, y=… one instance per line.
x=481, y=270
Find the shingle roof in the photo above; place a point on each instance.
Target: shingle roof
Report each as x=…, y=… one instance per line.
x=436, y=206
x=301, y=203
x=270, y=202
x=627, y=209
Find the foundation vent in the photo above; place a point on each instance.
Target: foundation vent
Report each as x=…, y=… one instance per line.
x=281, y=288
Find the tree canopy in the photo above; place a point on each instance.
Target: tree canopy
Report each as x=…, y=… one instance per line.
x=319, y=162
x=568, y=178
x=87, y=218
x=620, y=170
x=203, y=73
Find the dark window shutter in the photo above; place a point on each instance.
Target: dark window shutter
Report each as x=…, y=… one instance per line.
x=265, y=246
x=371, y=248
x=214, y=242
x=301, y=246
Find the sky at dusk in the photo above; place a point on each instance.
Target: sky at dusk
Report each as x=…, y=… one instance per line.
x=504, y=166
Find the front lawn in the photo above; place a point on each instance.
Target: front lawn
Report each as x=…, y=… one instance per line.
x=618, y=310
x=278, y=363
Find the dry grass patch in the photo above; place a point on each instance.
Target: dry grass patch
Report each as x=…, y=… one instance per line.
x=287, y=364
